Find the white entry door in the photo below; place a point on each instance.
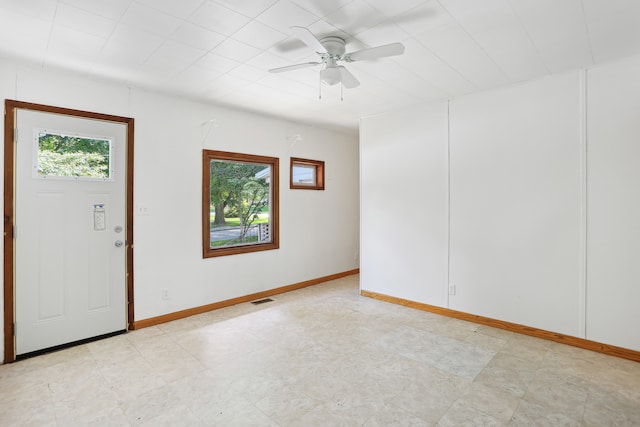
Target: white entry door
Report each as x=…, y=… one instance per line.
x=70, y=257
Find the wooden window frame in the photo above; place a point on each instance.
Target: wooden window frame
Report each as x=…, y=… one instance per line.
x=319, y=166
x=273, y=162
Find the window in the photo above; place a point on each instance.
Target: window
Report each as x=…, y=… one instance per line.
x=306, y=174
x=240, y=203
x=72, y=156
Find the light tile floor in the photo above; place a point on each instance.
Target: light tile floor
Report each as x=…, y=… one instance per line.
x=321, y=356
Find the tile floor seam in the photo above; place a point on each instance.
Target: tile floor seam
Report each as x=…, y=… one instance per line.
x=411, y=412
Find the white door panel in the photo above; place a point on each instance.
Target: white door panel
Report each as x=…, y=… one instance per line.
x=70, y=279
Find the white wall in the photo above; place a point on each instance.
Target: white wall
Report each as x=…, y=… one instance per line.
x=319, y=232
x=613, y=234
x=404, y=205
x=515, y=204
x=523, y=203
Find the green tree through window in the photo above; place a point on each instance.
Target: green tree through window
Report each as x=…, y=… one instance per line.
x=240, y=195
x=237, y=193
x=73, y=156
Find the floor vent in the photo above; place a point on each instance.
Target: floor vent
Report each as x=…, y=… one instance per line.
x=261, y=301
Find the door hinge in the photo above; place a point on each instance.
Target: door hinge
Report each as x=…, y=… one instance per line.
x=14, y=329
x=16, y=131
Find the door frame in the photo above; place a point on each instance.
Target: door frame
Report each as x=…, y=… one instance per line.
x=10, y=109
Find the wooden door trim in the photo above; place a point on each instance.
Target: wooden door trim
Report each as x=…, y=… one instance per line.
x=10, y=107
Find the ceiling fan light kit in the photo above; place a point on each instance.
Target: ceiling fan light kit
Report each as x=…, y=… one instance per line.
x=331, y=50
x=330, y=76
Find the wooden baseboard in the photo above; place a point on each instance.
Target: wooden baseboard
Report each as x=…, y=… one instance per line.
x=145, y=323
x=513, y=327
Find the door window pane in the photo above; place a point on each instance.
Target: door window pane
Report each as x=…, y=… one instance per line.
x=64, y=156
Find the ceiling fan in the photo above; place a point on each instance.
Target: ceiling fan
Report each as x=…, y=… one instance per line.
x=332, y=50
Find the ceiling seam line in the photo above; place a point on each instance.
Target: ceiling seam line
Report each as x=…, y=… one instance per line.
x=535, y=47
x=586, y=29
x=475, y=42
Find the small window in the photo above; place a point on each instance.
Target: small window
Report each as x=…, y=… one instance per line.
x=240, y=203
x=306, y=174
x=72, y=156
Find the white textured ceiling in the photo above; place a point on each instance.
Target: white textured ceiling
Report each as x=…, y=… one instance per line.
x=219, y=51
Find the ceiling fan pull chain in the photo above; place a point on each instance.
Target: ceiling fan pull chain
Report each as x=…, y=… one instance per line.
x=319, y=86
x=341, y=92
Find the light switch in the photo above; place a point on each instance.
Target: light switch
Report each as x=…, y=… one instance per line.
x=143, y=210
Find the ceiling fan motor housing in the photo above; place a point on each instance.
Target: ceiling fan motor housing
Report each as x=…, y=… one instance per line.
x=334, y=45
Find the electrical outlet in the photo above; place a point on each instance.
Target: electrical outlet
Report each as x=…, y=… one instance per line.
x=452, y=289
x=165, y=294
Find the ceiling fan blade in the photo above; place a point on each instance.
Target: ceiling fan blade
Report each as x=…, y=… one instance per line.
x=294, y=67
x=309, y=39
x=348, y=80
x=375, y=52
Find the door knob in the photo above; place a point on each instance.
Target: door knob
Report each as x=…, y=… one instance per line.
x=119, y=243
